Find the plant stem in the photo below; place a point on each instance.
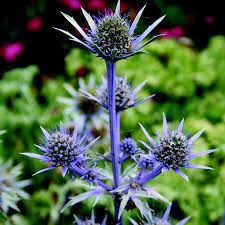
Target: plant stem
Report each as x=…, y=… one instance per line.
x=118, y=136
x=114, y=120
x=111, y=73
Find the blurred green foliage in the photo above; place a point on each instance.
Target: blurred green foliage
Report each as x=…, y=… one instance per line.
x=187, y=83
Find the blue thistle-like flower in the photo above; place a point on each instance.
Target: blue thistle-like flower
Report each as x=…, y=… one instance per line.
x=153, y=220
x=173, y=149
x=62, y=149
x=125, y=96
x=128, y=146
x=112, y=36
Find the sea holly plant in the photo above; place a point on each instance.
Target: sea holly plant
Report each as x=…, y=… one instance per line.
x=112, y=37
x=11, y=188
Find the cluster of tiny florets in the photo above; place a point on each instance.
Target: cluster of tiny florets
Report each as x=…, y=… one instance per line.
x=145, y=163
x=112, y=33
x=62, y=150
x=87, y=106
x=122, y=93
x=128, y=146
x=173, y=150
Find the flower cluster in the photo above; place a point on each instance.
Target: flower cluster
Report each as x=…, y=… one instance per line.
x=173, y=149
x=112, y=37
x=128, y=146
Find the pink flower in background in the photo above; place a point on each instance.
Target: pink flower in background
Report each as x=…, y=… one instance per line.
x=72, y=4
x=10, y=52
x=35, y=24
x=96, y=5
x=174, y=32
x=210, y=20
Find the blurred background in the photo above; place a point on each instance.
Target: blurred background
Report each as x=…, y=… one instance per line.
x=185, y=69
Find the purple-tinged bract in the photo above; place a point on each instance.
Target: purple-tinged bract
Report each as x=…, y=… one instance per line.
x=62, y=149
x=173, y=149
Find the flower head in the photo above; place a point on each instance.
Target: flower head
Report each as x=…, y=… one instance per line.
x=62, y=149
x=128, y=146
x=173, y=149
x=112, y=36
x=125, y=96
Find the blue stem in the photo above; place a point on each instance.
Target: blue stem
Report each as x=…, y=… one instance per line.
x=118, y=138
x=111, y=73
x=114, y=120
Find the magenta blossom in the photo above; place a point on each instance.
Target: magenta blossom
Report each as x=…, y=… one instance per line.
x=96, y=5
x=10, y=52
x=35, y=24
x=72, y=4
x=174, y=32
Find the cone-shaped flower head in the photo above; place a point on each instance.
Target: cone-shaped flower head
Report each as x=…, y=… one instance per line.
x=125, y=96
x=111, y=36
x=173, y=149
x=62, y=149
x=128, y=146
